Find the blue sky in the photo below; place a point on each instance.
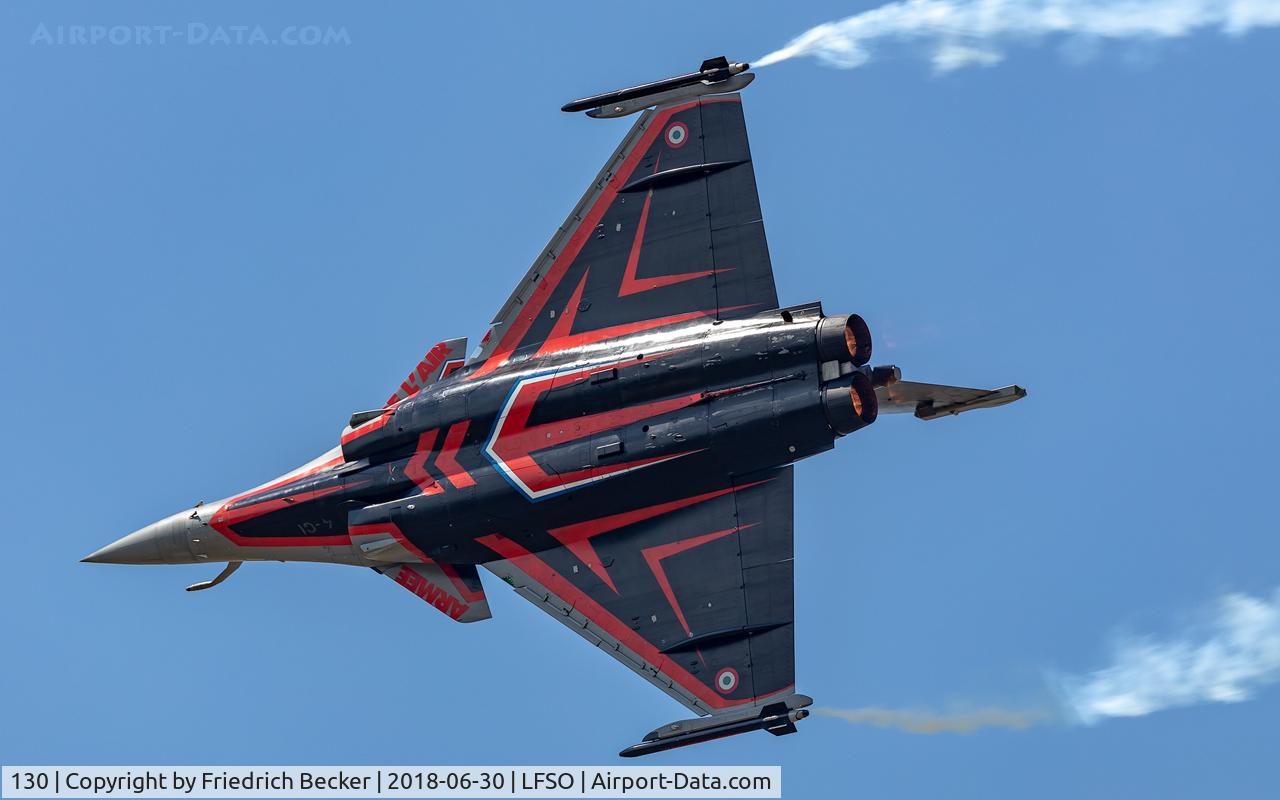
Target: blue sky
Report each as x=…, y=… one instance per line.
x=213, y=254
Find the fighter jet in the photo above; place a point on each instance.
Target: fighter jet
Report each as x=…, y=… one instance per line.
x=619, y=447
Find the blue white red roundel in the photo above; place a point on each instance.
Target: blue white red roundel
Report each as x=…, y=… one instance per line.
x=726, y=680
x=677, y=134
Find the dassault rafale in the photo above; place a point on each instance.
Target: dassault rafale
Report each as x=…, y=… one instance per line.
x=618, y=448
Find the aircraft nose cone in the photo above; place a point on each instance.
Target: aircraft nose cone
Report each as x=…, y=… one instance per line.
x=163, y=542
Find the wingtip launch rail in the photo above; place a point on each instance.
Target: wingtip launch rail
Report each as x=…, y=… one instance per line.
x=715, y=76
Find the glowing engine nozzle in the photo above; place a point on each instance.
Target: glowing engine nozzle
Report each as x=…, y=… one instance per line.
x=844, y=339
x=850, y=403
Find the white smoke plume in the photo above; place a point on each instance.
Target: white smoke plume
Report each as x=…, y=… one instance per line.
x=1226, y=657
x=1224, y=660
x=964, y=33
x=932, y=722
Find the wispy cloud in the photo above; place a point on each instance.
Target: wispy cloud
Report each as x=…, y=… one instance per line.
x=964, y=33
x=1225, y=659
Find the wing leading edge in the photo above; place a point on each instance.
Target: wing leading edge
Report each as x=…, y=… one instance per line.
x=670, y=230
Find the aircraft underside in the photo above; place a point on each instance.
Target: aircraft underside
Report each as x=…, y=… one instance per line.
x=618, y=449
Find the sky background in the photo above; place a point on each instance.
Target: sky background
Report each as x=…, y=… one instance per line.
x=191, y=239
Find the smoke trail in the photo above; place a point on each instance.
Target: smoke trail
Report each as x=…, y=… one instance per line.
x=1225, y=660
x=963, y=33
x=927, y=722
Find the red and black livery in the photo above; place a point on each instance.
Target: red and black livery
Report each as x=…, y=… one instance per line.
x=619, y=447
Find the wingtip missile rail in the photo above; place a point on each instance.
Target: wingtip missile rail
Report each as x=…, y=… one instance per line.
x=777, y=718
x=716, y=75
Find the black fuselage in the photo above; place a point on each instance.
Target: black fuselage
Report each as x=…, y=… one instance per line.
x=532, y=446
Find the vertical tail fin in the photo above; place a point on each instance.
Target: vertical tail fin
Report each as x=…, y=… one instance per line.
x=439, y=362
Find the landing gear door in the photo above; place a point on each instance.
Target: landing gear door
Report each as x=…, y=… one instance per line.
x=599, y=394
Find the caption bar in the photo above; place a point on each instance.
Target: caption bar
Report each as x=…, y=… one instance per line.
x=400, y=782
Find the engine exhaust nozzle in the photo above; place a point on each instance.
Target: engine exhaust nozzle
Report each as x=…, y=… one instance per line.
x=844, y=338
x=850, y=403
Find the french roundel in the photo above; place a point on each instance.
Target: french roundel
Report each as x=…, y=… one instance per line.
x=726, y=680
x=677, y=134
